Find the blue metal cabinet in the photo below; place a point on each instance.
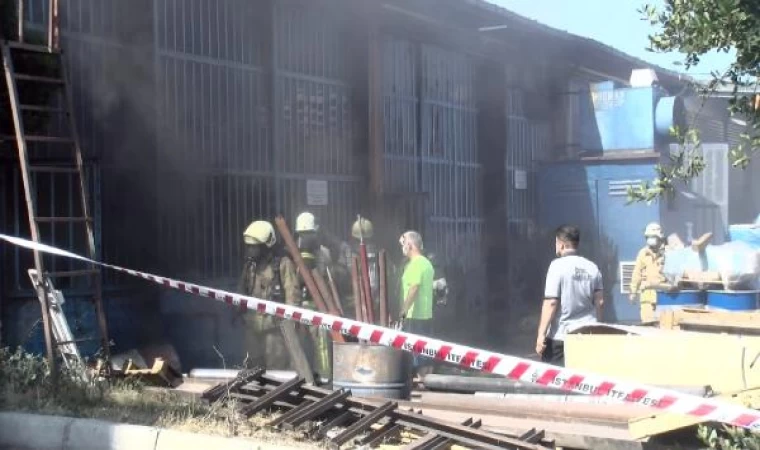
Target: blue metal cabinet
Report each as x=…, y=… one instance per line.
x=593, y=197
x=621, y=228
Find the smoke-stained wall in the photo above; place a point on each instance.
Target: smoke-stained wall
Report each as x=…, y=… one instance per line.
x=108, y=54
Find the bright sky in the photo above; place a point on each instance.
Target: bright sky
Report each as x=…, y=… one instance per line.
x=614, y=22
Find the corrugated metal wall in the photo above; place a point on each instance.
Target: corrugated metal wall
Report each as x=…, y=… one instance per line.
x=110, y=70
x=450, y=165
x=214, y=145
x=224, y=159
x=529, y=138
x=111, y=79
x=317, y=121
x=400, y=114
x=430, y=119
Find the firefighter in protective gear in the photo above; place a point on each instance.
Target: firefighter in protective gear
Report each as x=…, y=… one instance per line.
x=313, y=252
x=647, y=272
x=315, y=256
x=270, y=276
x=361, y=229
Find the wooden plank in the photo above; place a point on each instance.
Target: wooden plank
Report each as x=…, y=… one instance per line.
x=652, y=425
x=295, y=349
x=682, y=358
x=707, y=320
x=529, y=407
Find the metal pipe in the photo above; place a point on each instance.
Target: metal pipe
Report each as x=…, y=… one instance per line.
x=324, y=290
x=357, y=292
x=311, y=286
x=483, y=385
x=334, y=291
x=21, y=21
x=230, y=374
x=365, y=284
x=53, y=29
x=383, y=289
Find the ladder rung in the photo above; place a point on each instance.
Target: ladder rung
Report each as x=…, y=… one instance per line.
x=38, y=79
x=32, y=48
x=73, y=273
x=53, y=169
x=75, y=341
x=62, y=219
x=47, y=109
x=50, y=139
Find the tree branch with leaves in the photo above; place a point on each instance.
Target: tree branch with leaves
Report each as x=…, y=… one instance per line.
x=695, y=28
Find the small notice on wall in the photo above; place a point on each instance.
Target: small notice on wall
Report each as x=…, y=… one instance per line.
x=521, y=179
x=316, y=192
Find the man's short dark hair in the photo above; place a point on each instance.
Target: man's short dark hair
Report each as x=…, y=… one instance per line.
x=569, y=234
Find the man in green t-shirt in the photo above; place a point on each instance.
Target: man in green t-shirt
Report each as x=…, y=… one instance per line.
x=416, y=293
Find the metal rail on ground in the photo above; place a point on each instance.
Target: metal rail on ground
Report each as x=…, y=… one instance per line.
x=340, y=418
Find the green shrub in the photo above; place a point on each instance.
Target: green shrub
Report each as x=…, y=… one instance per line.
x=729, y=438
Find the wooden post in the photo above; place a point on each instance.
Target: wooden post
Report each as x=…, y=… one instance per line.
x=295, y=349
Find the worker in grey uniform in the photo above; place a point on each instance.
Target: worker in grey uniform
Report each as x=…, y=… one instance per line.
x=573, y=296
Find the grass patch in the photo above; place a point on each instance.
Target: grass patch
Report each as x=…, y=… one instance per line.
x=26, y=385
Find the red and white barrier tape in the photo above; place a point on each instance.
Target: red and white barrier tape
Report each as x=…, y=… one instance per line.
x=509, y=366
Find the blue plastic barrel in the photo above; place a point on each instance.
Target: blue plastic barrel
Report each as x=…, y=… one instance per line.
x=733, y=300
x=691, y=299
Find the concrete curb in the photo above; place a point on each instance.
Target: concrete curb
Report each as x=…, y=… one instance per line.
x=40, y=432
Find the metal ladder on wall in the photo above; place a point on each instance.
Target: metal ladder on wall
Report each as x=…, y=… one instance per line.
x=57, y=333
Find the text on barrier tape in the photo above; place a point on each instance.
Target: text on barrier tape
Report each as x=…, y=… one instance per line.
x=509, y=366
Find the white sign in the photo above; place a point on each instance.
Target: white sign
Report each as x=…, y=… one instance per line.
x=316, y=192
x=521, y=179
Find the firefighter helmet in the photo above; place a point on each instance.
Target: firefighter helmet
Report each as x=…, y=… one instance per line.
x=306, y=222
x=362, y=228
x=653, y=230
x=260, y=232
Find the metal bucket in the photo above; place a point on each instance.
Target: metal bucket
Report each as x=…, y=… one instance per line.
x=370, y=370
x=732, y=300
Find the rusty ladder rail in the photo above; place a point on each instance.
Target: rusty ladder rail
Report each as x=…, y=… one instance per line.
x=318, y=413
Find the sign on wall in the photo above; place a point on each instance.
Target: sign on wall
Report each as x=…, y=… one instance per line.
x=521, y=179
x=316, y=192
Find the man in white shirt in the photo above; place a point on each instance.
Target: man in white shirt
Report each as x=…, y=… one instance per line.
x=573, y=296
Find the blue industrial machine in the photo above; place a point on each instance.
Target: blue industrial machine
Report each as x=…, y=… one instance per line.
x=622, y=134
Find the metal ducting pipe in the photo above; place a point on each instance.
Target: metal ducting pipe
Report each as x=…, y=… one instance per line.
x=669, y=112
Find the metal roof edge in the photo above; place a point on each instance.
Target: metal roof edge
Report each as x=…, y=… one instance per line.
x=561, y=34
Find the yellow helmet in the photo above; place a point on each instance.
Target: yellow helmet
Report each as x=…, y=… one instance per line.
x=362, y=225
x=653, y=230
x=306, y=222
x=260, y=232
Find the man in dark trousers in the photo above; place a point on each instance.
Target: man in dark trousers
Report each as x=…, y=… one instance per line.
x=573, y=296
